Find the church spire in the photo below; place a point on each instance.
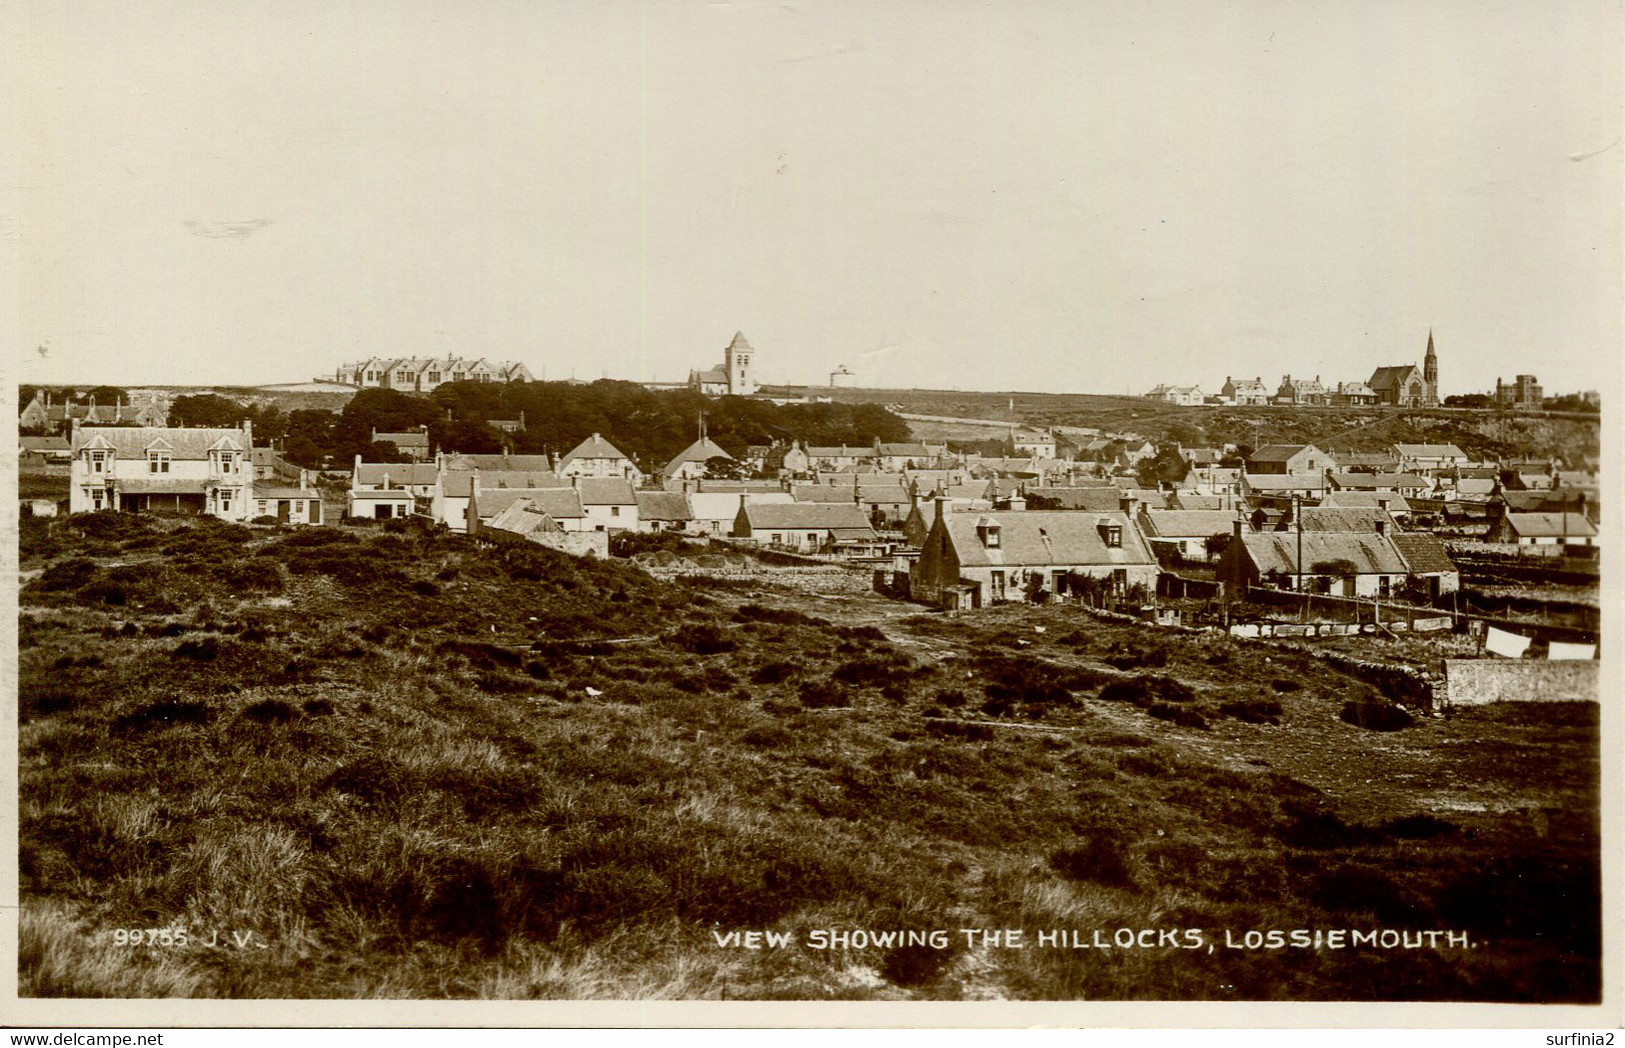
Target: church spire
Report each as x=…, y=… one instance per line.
x=1430, y=371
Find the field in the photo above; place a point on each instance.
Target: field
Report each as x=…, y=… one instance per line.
x=385, y=762
x=1574, y=438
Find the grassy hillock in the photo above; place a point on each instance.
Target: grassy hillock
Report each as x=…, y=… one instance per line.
x=373, y=762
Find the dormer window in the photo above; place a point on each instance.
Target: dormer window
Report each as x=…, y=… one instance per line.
x=158, y=461
x=225, y=461
x=1112, y=535
x=990, y=535
x=99, y=461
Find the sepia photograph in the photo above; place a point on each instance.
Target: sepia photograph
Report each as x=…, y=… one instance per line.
x=836, y=505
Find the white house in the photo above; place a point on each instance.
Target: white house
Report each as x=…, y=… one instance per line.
x=135, y=468
x=597, y=457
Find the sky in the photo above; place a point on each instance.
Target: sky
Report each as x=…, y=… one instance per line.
x=1078, y=196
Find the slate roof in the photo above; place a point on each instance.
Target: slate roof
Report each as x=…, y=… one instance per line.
x=392, y=494
x=521, y=478
x=523, y=517
x=1347, y=519
x=602, y=491
x=1189, y=523
x=594, y=447
x=1424, y=552
x=1550, y=525
x=1370, y=553
x=401, y=474
x=263, y=492
x=876, y=494
x=840, y=452
x=1363, y=458
x=1186, y=501
x=133, y=441
x=419, y=439
x=1430, y=451
x=1284, y=481
x=529, y=463
x=1092, y=499
x=1365, y=500
x=699, y=451
x=807, y=516
x=1045, y=538
x=168, y=486
x=664, y=505
x=557, y=503
x=1276, y=452
x=39, y=445
x=1380, y=481
x=1387, y=378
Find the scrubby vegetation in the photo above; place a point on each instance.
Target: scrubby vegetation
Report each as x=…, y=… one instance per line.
x=411, y=766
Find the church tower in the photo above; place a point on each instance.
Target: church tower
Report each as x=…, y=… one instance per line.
x=1430, y=373
x=736, y=363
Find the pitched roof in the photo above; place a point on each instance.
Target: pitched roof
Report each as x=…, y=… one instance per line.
x=263, y=492
x=401, y=474
x=1424, y=552
x=419, y=439
x=1550, y=525
x=39, y=444
x=841, y=452
x=716, y=374
x=806, y=516
x=594, y=447
x=1370, y=553
x=521, y=478
x=880, y=494
x=1363, y=458
x=699, y=451
x=133, y=441
x=1386, y=378
x=1380, y=481
x=1350, y=519
x=1277, y=452
x=1430, y=450
x=1045, y=538
x=523, y=517
x=1098, y=500
x=533, y=463
x=1189, y=523
x=603, y=491
x=664, y=505
x=1365, y=500
x=558, y=503
x=1284, y=481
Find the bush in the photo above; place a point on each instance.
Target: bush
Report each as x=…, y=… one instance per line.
x=1146, y=690
x=66, y=575
x=1100, y=859
x=702, y=638
x=163, y=714
x=1419, y=827
x=1282, y=685
x=823, y=694
x=255, y=575
x=1252, y=711
x=1180, y=716
x=204, y=649
x=776, y=616
x=270, y=711
x=774, y=672
x=768, y=736
x=1375, y=715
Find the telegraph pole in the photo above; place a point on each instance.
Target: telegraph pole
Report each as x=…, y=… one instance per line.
x=1297, y=519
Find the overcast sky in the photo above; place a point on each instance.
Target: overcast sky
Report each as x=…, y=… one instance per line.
x=1016, y=195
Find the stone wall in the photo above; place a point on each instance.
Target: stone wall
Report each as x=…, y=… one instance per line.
x=1469, y=682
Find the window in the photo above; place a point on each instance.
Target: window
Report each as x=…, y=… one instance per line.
x=403, y=376
x=98, y=498
x=433, y=376
x=614, y=511
x=777, y=539
x=1112, y=535
x=157, y=462
x=225, y=500
x=260, y=507
x=997, y=582
x=1120, y=579
x=98, y=460
x=456, y=376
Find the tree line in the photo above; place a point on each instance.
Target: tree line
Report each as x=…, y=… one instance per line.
x=650, y=426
